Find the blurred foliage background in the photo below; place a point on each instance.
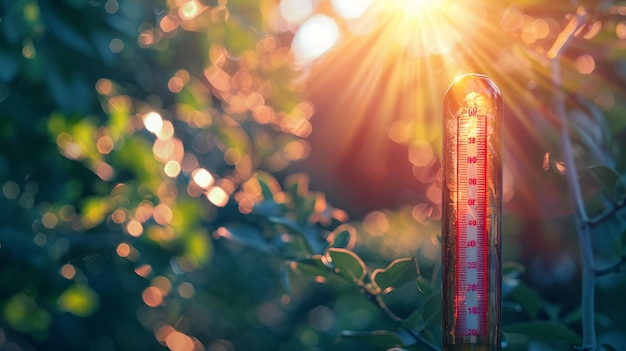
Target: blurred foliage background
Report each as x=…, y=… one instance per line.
x=263, y=175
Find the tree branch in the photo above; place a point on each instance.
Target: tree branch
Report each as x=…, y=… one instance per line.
x=381, y=304
x=568, y=33
x=615, y=268
x=583, y=228
x=606, y=215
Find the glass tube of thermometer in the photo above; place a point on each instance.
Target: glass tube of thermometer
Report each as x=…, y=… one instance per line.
x=471, y=214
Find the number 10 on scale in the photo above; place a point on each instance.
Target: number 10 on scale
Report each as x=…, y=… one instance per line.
x=471, y=221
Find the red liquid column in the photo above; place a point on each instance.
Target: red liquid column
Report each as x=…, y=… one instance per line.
x=472, y=214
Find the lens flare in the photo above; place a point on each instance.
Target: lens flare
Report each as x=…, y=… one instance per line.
x=317, y=36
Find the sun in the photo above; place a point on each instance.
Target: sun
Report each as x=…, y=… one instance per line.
x=418, y=5
x=378, y=90
x=427, y=27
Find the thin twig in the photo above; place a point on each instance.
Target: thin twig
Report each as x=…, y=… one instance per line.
x=615, y=268
x=594, y=221
x=377, y=300
x=568, y=33
x=582, y=220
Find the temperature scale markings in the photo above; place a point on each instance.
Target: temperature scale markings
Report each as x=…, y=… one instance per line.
x=471, y=226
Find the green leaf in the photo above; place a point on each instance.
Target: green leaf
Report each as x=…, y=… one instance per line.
x=290, y=225
x=377, y=338
x=397, y=273
x=266, y=208
x=509, y=284
x=544, y=331
x=431, y=309
x=313, y=266
x=246, y=235
x=512, y=269
x=415, y=321
x=303, y=199
x=528, y=298
x=424, y=286
x=344, y=236
x=512, y=306
x=576, y=316
x=298, y=185
x=347, y=264
x=266, y=182
x=305, y=208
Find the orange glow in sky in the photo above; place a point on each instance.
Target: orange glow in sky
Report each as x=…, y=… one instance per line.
x=377, y=85
x=423, y=26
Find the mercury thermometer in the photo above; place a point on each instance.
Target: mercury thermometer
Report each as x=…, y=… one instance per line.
x=471, y=214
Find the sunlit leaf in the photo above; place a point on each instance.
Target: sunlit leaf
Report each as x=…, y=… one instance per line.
x=79, y=300
x=344, y=236
x=118, y=123
x=131, y=156
x=186, y=215
x=304, y=201
x=313, y=266
x=544, y=331
x=240, y=39
x=268, y=185
x=378, y=338
x=395, y=275
x=347, y=264
x=95, y=210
